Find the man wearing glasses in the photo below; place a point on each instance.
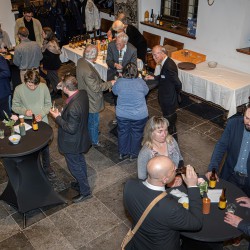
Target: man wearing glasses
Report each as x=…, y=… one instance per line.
x=32, y=24
x=33, y=97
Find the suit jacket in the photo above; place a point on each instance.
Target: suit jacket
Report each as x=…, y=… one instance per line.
x=229, y=143
x=89, y=79
x=4, y=78
x=113, y=57
x=37, y=29
x=73, y=136
x=169, y=87
x=137, y=40
x=160, y=229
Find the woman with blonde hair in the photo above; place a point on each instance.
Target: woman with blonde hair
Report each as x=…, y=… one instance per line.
x=157, y=141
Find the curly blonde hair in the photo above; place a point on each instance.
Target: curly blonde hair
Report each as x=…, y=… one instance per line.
x=155, y=122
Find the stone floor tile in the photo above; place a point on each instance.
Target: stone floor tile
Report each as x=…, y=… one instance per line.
x=71, y=229
x=197, y=145
x=8, y=228
x=45, y=235
x=110, y=240
x=93, y=216
x=98, y=160
x=32, y=217
x=106, y=178
x=17, y=241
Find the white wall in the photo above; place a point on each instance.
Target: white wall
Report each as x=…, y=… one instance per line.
x=7, y=19
x=221, y=29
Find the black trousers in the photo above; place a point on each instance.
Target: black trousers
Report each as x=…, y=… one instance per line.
x=172, y=124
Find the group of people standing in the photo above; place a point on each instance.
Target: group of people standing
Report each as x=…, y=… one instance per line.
x=78, y=126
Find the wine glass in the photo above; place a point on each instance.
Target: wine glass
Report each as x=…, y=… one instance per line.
x=139, y=65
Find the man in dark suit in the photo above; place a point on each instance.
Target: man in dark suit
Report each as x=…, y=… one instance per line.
x=73, y=137
x=161, y=227
x=169, y=86
x=235, y=142
x=119, y=46
x=89, y=79
x=134, y=35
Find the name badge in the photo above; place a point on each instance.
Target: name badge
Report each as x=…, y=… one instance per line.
x=162, y=76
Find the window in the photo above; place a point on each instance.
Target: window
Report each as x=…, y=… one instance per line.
x=179, y=10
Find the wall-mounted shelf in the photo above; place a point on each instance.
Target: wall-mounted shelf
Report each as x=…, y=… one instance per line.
x=244, y=50
x=179, y=30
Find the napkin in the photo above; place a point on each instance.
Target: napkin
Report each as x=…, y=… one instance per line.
x=27, y=127
x=178, y=193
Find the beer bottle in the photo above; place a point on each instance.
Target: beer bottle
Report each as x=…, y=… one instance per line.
x=212, y=180
x=146, y=16
x=34, y=123
x=223, y=200
x=161, y=21
x=158, y=19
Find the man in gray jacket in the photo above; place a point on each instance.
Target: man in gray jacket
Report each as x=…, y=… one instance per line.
x=89, y=79
x=119, y=48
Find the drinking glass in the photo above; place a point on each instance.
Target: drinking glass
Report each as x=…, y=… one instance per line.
x=139, y=65
x=1, y=133
x=231, y=207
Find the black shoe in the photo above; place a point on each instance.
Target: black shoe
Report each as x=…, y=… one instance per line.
x=75, y=185
x=81, y=197
x=132, y=157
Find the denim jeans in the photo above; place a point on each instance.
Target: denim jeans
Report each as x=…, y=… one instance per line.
x=78, y=168
x=93, y=127
x=130, y=134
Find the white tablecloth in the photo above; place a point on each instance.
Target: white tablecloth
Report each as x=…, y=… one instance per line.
x=77, y=53
x=74, y=54
x=226, y=87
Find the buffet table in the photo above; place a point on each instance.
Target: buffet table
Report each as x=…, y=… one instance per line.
x=75, y=54
x=223, y=86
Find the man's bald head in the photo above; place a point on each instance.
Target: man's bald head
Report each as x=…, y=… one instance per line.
x=161, y=168
x=118, y=26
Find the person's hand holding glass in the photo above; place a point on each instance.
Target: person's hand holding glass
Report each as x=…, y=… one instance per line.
x=232, y=219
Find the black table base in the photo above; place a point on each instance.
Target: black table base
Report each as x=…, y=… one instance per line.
x=189, y=244
x=28, y=187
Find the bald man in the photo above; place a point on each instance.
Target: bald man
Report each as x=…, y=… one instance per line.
x=160, y=230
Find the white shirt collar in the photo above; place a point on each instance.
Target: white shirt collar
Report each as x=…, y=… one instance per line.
x=162, y=63
x=93, y=64
x=152, y=187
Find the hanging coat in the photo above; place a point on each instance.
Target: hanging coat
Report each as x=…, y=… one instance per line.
x=92, y=16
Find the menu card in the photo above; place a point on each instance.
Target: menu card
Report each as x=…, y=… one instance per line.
x=214, y=194
x=27, y=127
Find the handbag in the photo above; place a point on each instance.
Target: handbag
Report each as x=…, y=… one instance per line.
x=131, y=233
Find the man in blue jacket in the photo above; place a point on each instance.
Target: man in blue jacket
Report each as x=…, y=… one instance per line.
x=235, y=142
x=5, y=90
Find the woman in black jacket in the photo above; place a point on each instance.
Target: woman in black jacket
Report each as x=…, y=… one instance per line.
x=51, y=61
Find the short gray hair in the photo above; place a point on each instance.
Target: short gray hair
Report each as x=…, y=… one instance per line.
x=69, y=82
x=123, y=36
x=90, y=52
x=160, y=48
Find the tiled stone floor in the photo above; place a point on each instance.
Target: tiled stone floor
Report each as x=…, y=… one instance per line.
x=100, y=222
